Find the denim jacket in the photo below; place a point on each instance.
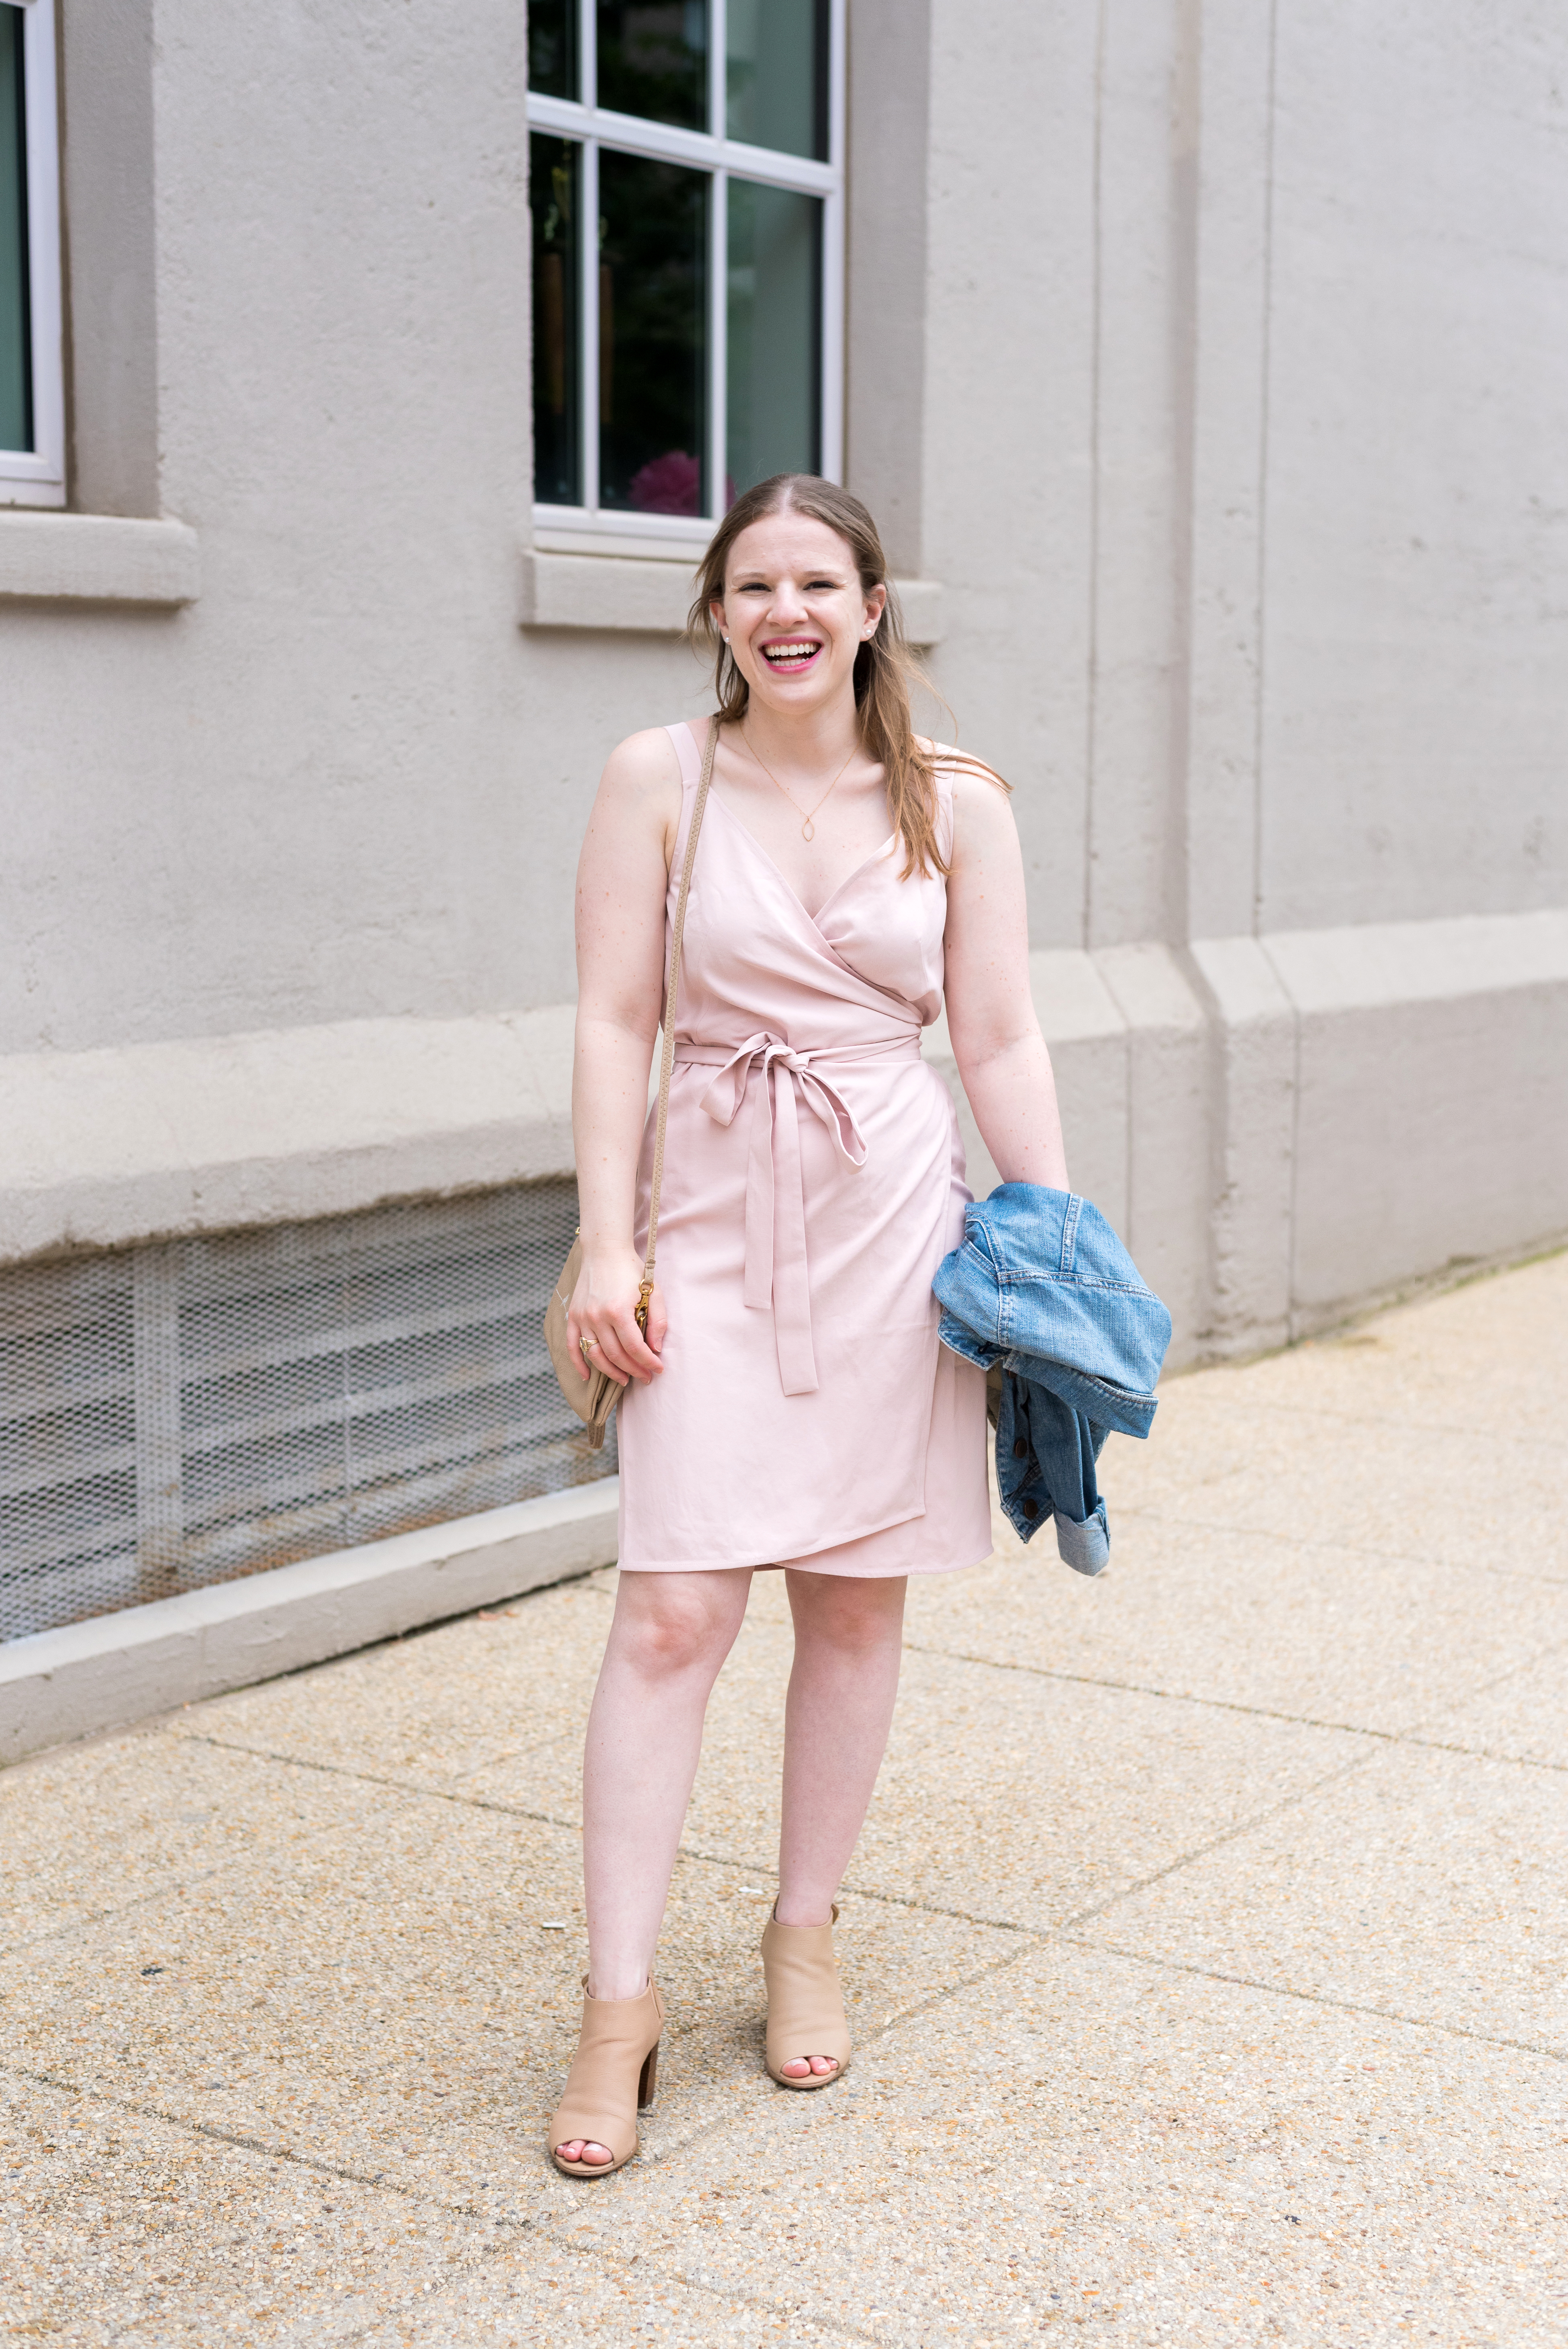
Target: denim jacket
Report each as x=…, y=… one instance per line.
x=1043, y=1293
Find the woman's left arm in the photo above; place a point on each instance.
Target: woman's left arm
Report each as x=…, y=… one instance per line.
x=996, y=1040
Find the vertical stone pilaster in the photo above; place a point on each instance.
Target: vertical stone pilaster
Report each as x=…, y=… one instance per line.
x=889, y=139
x=1252, y=1125
x=1229, y=332
x=1168, y=1143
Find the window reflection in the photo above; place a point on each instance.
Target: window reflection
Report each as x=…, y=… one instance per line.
x=628, y=422
x=16, y=366
x=776, y=74
x=553, y=47
x=652, y=298
x=775, y=371
x=653, y=59
x=555, y=179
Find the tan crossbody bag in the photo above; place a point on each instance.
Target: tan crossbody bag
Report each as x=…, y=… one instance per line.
x=595, y=1397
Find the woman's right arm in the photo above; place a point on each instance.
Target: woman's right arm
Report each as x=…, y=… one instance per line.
x=622, y=877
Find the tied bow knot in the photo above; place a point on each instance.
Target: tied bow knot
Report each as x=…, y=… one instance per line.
x=776, y=1269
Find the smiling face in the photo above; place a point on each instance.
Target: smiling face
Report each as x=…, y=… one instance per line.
x=795, y=613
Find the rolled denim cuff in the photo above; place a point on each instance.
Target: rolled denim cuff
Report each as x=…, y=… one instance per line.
x=1086, y=1547
x=1100, y=1402
x=959, y=1339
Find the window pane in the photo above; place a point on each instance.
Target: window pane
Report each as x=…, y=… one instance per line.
x=653, y=59
x=553, y=47
x=774, y=420
x=555, y=180
x=776, y=74
x=653, y=281
x=15, y=367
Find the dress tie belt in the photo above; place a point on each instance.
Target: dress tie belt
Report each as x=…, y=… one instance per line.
x=776, y=1269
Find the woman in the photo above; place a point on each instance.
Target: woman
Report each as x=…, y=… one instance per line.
x=791, y=1407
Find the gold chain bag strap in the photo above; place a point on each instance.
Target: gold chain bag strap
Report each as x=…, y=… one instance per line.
x=595, y=1397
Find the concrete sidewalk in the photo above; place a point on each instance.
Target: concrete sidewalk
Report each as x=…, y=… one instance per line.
x=1205, y=1942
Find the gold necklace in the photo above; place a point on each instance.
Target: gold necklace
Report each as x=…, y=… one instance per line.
x=809, y=828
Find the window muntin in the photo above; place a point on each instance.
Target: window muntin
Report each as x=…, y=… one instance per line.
x=702, y=139
x=32, y=401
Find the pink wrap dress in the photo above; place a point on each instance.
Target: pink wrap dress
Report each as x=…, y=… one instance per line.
x=813, y=1181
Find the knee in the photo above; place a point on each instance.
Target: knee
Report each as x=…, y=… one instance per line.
x=669, y=1635
x=853, y=1618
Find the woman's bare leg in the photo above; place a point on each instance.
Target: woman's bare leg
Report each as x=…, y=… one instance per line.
x=849, y=1637
x=670, y=1634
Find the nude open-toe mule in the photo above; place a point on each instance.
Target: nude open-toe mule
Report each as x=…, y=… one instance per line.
x=612, y=2079
x=805, y=2006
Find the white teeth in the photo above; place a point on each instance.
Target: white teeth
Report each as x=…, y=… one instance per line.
x=781, y=655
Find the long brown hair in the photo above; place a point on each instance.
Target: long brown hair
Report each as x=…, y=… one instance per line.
x=886, y=669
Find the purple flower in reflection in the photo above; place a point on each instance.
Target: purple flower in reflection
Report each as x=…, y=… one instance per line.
x=669, y=484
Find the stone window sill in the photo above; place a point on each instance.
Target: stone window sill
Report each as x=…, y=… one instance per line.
x=63, y=558
x=650, y=595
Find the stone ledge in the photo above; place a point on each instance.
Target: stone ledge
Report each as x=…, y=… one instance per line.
x=1279, y=1127
x=63, y=558
x=652, y=595
x=1379, y=964
x=641, y=595
x=1430, y=1120
x=121, y=1667
x=211, y=1133
x=1087, y=1032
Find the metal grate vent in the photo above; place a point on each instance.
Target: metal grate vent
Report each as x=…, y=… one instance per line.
x=183, y=1414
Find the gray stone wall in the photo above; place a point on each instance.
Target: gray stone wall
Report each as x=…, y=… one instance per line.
x=1208, y=360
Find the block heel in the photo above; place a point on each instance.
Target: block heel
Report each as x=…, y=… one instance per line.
x=805, y=2005
x=612, y=2079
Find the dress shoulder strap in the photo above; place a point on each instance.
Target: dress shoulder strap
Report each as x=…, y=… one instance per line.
x=691, y=764
x=686, y=752
x=944, y=778
x=672, y=994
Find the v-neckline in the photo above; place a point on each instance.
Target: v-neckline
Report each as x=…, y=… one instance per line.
x=778, y=871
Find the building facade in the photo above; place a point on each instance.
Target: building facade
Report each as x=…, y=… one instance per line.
x=1205, y=365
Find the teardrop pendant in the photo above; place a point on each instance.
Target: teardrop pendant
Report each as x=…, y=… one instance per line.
x=807, y=828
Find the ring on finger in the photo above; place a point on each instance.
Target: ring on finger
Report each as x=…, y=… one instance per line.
x=587, y=1343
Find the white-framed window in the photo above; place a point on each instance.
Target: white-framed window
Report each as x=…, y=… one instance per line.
x=686, y=185
x=32, y=389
